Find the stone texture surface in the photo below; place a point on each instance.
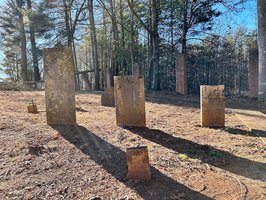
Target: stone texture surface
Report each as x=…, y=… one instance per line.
x=59, y=81
x=130, y=101
x=32, y=108
x=212, y=105
x=136, y=70
x=181, y=74
x=138, y=163
x=108, y=98
x=253, y=76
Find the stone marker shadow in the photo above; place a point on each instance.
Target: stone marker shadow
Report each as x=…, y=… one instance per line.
x=237, y=131
x=208, y=154
x=81, y=110
x=113, y=160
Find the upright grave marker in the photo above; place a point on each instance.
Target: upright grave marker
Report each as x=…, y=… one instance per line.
x=136, y=69
x=32, y=107
x=59, y=79
x=253, y=80
x=212, y=105
x=107, y=97
x=138, y=163
x=181, y=74
x=130, y=101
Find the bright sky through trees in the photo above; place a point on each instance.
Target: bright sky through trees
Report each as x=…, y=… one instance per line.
x=245, y=17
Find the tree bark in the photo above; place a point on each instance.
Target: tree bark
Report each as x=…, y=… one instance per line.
x=94, y=45
x=115, y=38
x=262, y=49
x=184, y=28
x=67, y=23
x=155, y=44
x=23, y=45
x=36, y=71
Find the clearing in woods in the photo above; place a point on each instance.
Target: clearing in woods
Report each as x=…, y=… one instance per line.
x=88, y=161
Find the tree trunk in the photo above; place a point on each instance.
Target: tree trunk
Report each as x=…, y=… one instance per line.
x=94, y=45
x=115, y=38
x=184, y=28
x=262, y=48
x=67, y=23
x=36, y=71
x=23, y=45
x=155, y=44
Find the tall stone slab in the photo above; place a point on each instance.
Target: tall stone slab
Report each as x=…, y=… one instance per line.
x=181, y=74
x=130, y=101
x=59, y=81
x=212, y=105
x=108, y=79
x=253, y=82
x=136, y=69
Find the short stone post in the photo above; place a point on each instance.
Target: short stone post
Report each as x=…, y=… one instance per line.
x=212, y=106
x=32, y=107
x=107, y=98
x=181, y=74
x=59, y=79
x=138, y=163
x=136, y=69
x=130, y=101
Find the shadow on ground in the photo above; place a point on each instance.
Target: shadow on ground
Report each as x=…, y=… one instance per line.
x=254, y=133
x=194, y=101
x=210, y=155
x=113, y=160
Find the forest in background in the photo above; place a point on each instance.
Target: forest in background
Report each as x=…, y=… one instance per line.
x=108, y=37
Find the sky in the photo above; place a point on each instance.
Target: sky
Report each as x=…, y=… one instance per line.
x=243, y=17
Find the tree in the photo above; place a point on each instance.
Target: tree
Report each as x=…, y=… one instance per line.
x=152, y=30
x=198, y=15
x=262, y=48
x=23, y=42
x=94, y=45
x=32, y=31
x=13, y=32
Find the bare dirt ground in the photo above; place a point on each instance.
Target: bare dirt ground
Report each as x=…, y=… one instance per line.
x=88, y=161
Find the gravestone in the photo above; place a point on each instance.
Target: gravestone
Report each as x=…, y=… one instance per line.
x=130, y=101
x=59, y=79
x=136, y=69
x=138, y=163
x=108, y=79
x=181, y=74
x=32, y=107
x=253, y=79
x=107, y=98
x=212, y=105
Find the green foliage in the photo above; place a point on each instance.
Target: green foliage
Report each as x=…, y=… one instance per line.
x=218, y=60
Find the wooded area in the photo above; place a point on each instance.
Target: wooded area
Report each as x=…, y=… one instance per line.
x=109, y=37
x=138, y=132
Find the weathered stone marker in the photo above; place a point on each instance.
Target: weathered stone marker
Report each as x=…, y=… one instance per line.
x=212, y=105
x=107, y=98
x=138, y=163
x=59, y=79
x=181, y=74
x=130, y=101
x=136, y=69
x=253, y=68
x=32, y=107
